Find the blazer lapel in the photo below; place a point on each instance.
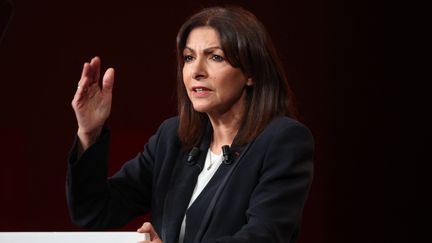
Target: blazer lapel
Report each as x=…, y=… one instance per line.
x=237, y=153
x=183, y=183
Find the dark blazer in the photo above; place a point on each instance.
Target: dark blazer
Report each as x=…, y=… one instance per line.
x=259, y=197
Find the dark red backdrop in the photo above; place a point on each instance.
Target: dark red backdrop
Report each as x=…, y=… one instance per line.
x=331, y=51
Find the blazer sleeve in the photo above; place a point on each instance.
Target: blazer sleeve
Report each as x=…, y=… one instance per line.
x=98, y=202
x=277, y=201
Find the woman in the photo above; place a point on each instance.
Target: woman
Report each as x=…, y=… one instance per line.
x=232, y=167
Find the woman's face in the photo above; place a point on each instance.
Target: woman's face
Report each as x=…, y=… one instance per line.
x=212, y=84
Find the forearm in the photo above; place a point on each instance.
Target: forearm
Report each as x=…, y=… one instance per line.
x=98, y=202
x=86, y=182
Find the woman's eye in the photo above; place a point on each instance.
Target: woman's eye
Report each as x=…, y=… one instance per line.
x=187, y=58
x=217, y=58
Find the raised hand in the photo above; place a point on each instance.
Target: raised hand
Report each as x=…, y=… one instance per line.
x=92, y=102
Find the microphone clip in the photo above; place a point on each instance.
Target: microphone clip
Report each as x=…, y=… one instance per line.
x=193, y=156
x=226, y=154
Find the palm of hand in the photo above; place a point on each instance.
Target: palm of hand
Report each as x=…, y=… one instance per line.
x=92, y=101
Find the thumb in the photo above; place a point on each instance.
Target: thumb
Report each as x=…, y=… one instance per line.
x=108, y=80
x=148, y=228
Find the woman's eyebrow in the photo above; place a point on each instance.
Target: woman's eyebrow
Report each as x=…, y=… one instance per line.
x=207, y=50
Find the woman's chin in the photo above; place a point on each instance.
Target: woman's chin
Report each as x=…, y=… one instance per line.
x=203, y=108
x=200, y=109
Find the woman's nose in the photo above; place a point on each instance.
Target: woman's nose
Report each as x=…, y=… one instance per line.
x=199, y=69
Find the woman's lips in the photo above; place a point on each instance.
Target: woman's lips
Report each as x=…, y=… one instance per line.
x=200, y=91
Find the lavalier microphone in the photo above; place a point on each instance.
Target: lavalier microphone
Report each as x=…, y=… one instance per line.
x=193, y=156
x=226, y=154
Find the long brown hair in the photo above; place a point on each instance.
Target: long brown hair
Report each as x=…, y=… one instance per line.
x=246, y=45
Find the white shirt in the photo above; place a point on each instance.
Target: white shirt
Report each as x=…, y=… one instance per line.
x=212, y=163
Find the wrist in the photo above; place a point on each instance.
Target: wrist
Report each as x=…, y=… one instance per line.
x=88, y=138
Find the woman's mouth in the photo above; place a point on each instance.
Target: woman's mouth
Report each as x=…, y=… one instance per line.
x=200, y=91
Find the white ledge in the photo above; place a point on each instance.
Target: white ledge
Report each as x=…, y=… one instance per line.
x=72, y=237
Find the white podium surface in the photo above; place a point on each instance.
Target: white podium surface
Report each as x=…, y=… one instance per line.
x=72, y=237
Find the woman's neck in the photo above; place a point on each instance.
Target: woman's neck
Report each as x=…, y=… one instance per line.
x=225, y=129
x=226, y=124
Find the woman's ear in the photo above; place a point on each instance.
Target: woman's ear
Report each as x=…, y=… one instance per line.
x=249, y=82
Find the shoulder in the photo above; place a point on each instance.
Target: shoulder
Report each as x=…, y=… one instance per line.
x=171, y=122
x=166, y=133
x=286, y=145
x=286, y=126
x=286, y=135
x=169, y=126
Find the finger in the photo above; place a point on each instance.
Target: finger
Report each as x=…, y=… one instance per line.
x=85, y=70
x=93, y=77
x=153, y=235
x=88, y=72
x=84, y=81
x=145, y=228
x=95, y=65
x=81, y=91
x=108, y=80
x=98, y=66
x=148, y=228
